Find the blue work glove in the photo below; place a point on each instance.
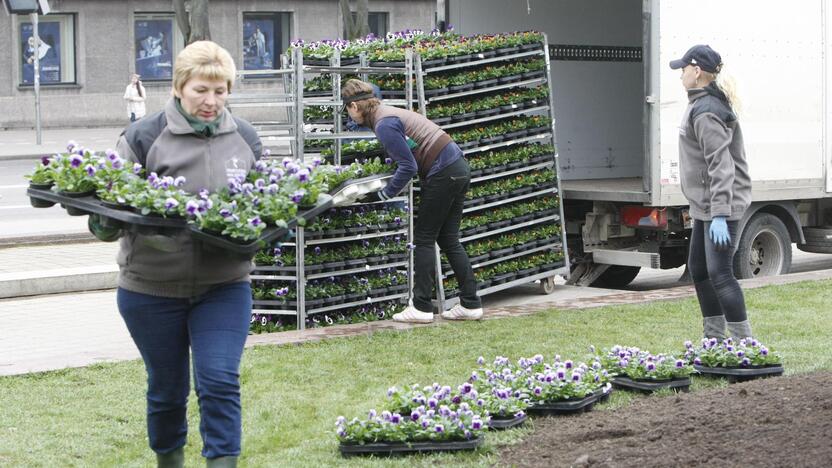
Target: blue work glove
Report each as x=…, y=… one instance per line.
x=719, y=232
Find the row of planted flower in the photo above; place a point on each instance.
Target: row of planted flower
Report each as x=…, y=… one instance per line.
x=271, y=194
x=439, y=417
x=508, y=215
x=435, y=47
x=502, y=130
x=487, y=105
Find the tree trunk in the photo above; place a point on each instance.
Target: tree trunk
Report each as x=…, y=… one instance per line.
x=358, y=27
x=193, y=21
x=199, y=21
x=182, y=18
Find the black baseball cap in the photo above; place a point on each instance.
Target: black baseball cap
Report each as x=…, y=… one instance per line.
x=702, y=56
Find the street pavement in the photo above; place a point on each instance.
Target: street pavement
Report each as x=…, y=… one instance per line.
x=22, y=144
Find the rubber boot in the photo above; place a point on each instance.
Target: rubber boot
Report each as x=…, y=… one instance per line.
x=221, y=462
x=714, y=327
x=739, y=330
x=175, y=459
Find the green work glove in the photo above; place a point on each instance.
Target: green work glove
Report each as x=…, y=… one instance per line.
x=411, y=144
x=106, y=234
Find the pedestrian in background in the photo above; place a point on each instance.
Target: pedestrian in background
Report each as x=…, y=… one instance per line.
x=715, y=180
x=444, y=179
x=135, y=97
x=179, y=297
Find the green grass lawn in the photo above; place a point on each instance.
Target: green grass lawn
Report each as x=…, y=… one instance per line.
x=95, y=416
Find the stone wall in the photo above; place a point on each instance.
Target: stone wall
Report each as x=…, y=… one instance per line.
x=104, y=54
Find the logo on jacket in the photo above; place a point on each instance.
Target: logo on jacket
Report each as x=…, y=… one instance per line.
x=234, y=168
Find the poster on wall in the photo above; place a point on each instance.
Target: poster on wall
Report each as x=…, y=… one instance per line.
x=258, y=44
x=49, y=52
x=154, y=45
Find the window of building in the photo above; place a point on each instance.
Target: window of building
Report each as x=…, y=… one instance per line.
x=56, y=53
x=157, y=41
x=378, y=21
x=265, y=37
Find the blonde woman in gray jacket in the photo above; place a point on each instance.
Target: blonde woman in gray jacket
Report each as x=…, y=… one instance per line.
x=716, y=183
x=187, y=305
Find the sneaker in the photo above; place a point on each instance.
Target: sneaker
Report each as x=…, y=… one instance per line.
x=458, y=312
x=413, y=315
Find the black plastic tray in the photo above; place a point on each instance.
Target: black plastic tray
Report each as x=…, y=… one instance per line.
x=132, y=221
x=403, y=448
x=563, y=407
x=502, y=424
x=740, y=374
x=627, y=383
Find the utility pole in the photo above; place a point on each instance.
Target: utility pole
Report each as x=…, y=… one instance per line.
x=36, y=55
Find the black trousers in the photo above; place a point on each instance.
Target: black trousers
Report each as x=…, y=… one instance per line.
x=440, y=213
x=712, y=270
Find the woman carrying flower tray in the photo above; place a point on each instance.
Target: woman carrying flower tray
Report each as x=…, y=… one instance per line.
x=445, y=177
x=177, y=295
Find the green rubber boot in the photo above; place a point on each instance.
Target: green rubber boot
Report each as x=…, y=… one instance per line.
x=175, y=459
x=222, y=462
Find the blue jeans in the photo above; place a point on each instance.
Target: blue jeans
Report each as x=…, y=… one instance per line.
x=214, y=326
x=712, y=270
x=441, y=200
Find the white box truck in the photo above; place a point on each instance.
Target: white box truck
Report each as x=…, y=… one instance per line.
x=618, y=108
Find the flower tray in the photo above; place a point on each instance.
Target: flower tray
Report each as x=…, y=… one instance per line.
x=398, y=64
x=436, y=92
x=488, y=112
x=89, y=204
x=485, y=83
x=315, y=62
x=502, y=424
x=459, y=58
x=387, y=449
x=509, y=79
x=563, y=407
x=650, y=386
x=532, y=46
x=441, y=120
x=392, y=93
x=741, y=374
x=507, y=50
x=437, y=62
x=464, y=117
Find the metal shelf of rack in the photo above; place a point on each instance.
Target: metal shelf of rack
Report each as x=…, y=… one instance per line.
x=509, y=257
x=564, y=271
x=369, y=300
x=327, y=274
x=513, y=227
x=502, y=144
x=510, y=200
x=485, y=61
x=489, y=89
x=496, y=117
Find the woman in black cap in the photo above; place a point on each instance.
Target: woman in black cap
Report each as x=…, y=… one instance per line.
x=715, y=180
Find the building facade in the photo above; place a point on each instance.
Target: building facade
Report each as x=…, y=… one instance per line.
x=91, y=47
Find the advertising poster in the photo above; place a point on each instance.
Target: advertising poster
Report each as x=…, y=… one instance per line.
x=49, y=52
x=258, y=44
x=154, y=49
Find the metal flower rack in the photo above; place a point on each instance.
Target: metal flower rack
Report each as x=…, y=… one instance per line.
x=515, y=235
x=522, y=261
x=347, y=283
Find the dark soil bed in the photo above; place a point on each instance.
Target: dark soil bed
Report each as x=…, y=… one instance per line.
x=775, y=422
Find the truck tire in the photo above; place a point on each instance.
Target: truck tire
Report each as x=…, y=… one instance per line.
x=818, y=240
x=764, y=249
x=616, y=276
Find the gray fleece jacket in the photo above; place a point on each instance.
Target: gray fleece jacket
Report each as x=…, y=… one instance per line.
x=164, y=143
x=714, y=171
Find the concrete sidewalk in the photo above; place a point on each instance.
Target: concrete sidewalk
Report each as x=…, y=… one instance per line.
x=56, y=331
x=22, y=144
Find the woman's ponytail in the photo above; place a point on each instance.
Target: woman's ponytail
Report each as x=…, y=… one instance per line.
x=728, y=85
